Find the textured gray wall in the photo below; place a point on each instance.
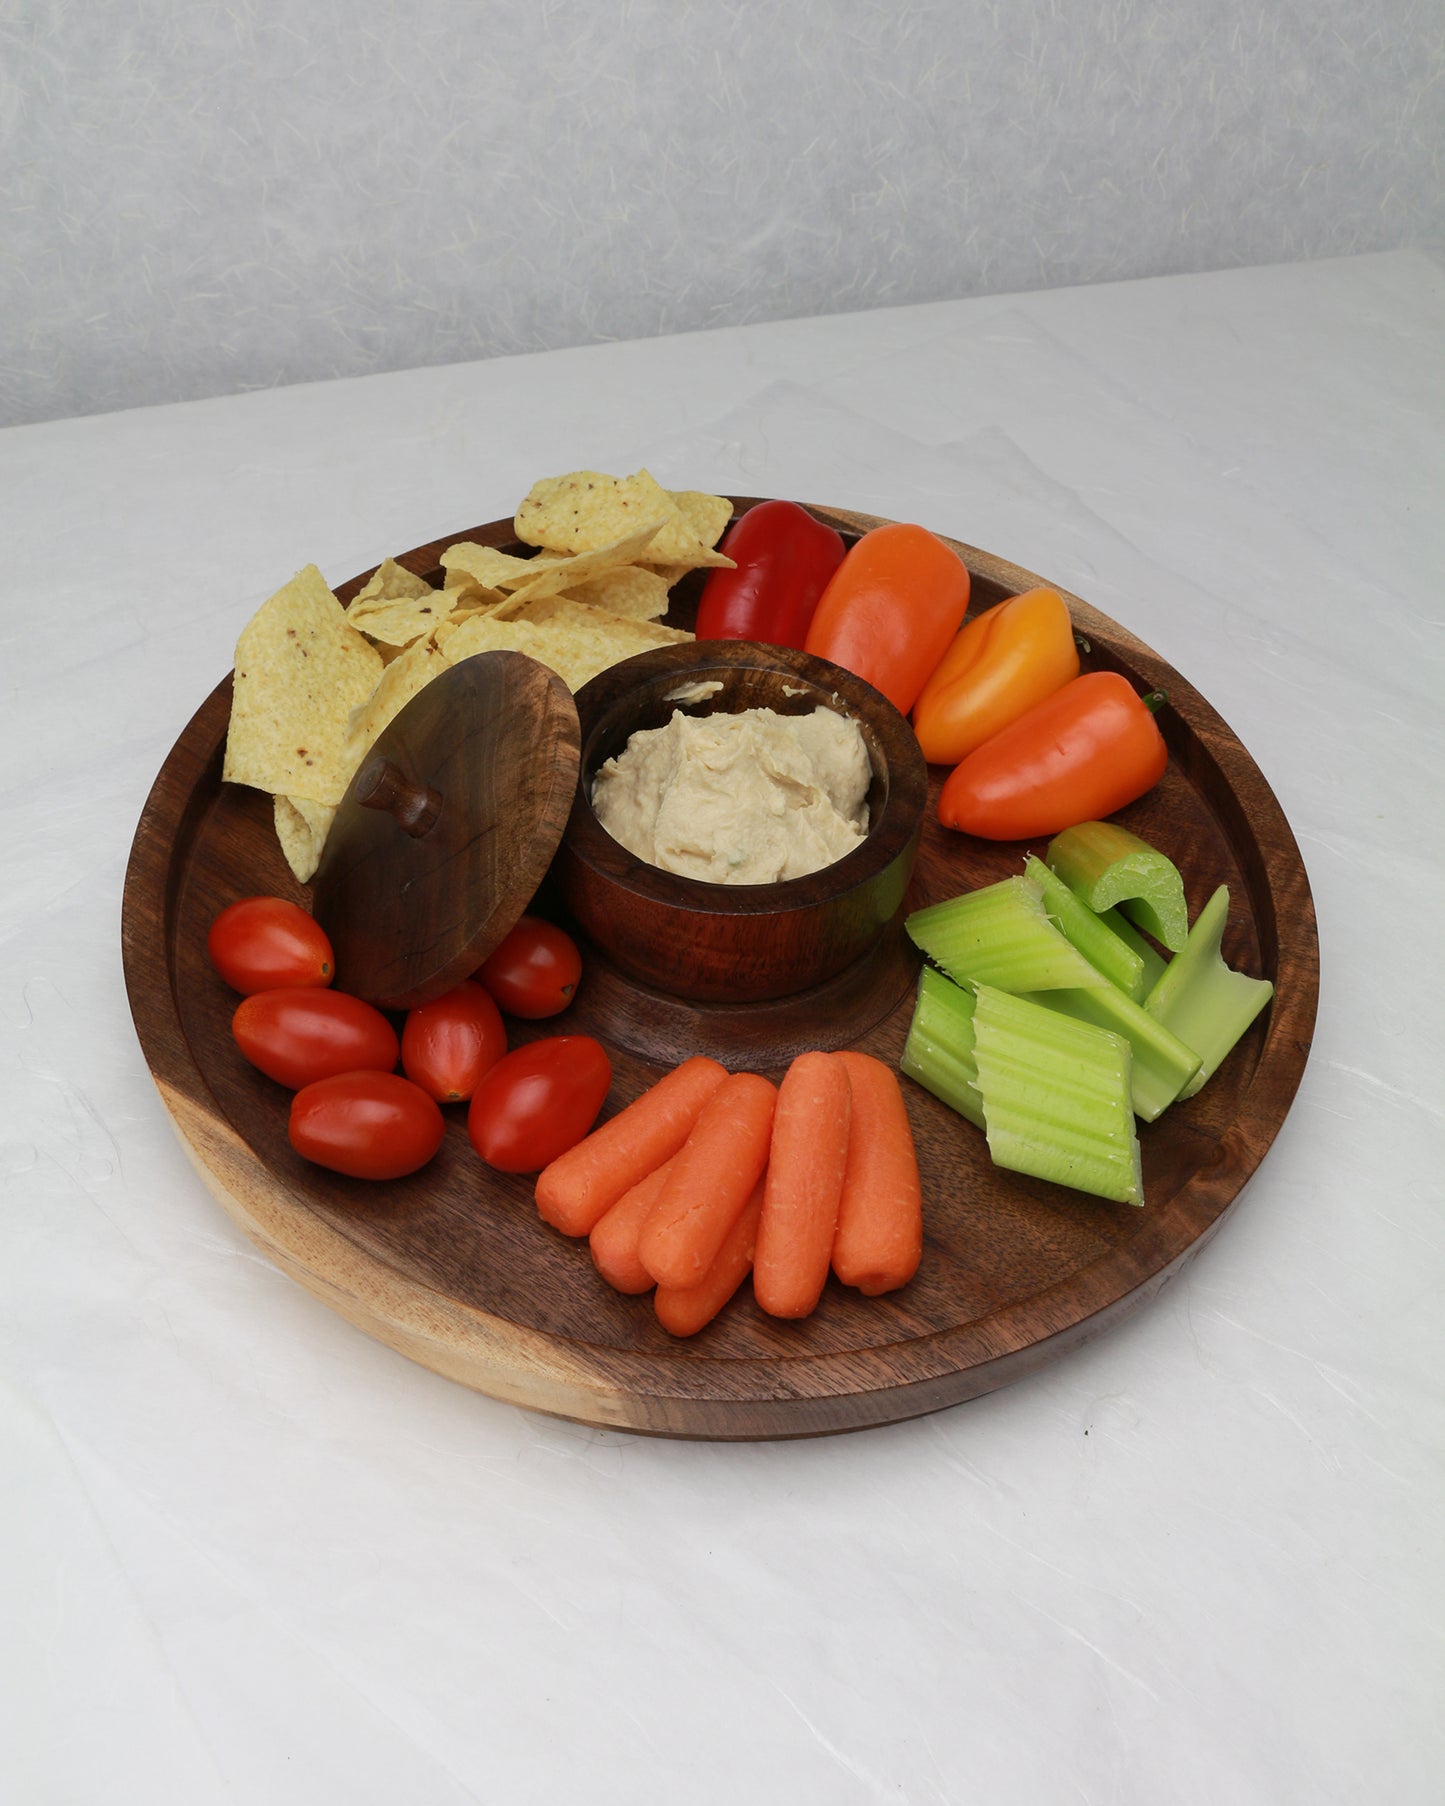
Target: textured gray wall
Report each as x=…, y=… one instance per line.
x=199, y=196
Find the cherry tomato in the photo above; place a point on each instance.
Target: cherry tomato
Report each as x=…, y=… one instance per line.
x=534, y=972
x=369, y=1125
x=263, y=943
x=299, y=1035
x=448, y=1044
x=538, y=1102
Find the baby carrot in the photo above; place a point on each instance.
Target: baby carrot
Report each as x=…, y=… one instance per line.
x=684, y=1311
x=805, y=1179
x=579, y=1186
x=880, y=1215
x=614, y=1236
x=710, y=1182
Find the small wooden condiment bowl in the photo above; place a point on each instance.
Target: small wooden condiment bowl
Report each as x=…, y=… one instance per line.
x=739, y=943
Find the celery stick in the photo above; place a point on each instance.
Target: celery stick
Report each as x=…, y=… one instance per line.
x=939, y=1049
x=1100, y=944
x=1001, y=936
x=1154, y=960
x=1201, y=999
x=1161, y=1065
x=1105, y=864
x=1056, y=1097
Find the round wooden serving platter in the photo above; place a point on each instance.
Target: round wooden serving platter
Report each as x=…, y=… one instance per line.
x=454, y=1267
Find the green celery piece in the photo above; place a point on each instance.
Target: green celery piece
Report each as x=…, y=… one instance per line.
x=939, y=1049
x=1105, y=864
x=1099, y=943
x=1161, y=1065
x=1001, y=936
x=1154, y=960
x=1201, y=999
x=1056, y=1097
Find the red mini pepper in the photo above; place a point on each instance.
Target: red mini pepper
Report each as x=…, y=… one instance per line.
x=784, y=558
x=1078, y=755
x=892, y=610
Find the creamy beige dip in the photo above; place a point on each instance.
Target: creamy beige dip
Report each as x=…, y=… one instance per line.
x=739, y=799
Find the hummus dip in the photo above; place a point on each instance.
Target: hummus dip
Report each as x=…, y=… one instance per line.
x=739, y=799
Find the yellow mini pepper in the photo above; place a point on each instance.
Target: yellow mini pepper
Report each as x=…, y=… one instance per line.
x=1000, y=665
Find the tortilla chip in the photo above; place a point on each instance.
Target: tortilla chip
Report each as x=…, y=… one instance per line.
x=670, y=573
x=401, y=680
x=300, y=670
x=546, y=575
x=628, y=590
x=469, y=565
x=400, y=622
x=679, y=541
x=391, y=582
x=578, y=512
x=587, y=510
x=445, y=629
x=567, y=611
x=707, y=515
x=301, y=828
x=466, y=602
x=553, y=575
x=569, y=637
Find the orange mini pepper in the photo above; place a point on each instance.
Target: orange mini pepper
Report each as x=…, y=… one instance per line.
x=1001, y=664
x=891, y=609
x=1078, y=755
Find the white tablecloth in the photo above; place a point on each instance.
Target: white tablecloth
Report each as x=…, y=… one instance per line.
x=250, y=1555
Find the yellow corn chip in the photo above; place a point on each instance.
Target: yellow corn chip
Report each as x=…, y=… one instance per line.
x=678, y=542
x=392, y=582
x=553, y=575
x=547, y=575
x=300, y=670
x=570, y=638
x=445, y=629
x=400, y=681
x=468, y=565
x=669, y=573
x=484, y=634
x=400, y=622
x=627, y=590
x=567, y=611
x=707, y=515
x=578, y=512
x=587, y=510
x=301, y=828
x=469, y=601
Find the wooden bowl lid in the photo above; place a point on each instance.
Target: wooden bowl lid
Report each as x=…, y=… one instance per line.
x=447, y=829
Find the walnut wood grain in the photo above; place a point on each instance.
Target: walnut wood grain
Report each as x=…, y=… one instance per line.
x=453, y=1266
x=447, y=829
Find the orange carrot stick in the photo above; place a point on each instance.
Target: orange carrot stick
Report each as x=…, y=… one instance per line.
x=579, y=1186
x=684, y=1311
x=710, y=1182
x=880, y=1216
x=805, y=1180
x=615, y=1235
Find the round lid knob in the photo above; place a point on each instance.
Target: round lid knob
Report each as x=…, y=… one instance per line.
x=447, y=829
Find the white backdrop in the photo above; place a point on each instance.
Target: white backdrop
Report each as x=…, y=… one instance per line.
x=200, y=196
